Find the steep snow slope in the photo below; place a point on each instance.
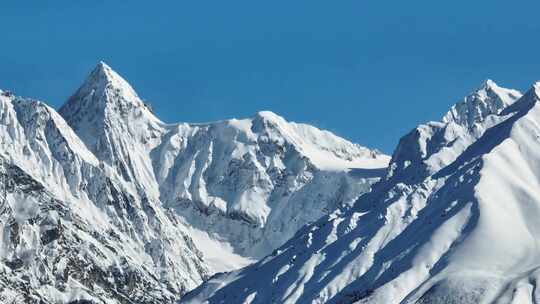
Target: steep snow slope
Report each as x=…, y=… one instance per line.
x=73, y=229
x=244, y=185
x=454, y=221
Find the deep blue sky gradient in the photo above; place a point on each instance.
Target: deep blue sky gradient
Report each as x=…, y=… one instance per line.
x=366, y=70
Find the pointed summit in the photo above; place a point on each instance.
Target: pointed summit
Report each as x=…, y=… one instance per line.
x=488, y=99
x=103, y=71
x=106, y=85
x=103, y=91
x=267, y=115
x=105, y=112
x=101, y=64
x=263, y=119
x=104, y=74
x=488, y=84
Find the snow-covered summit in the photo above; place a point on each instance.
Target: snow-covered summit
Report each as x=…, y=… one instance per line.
x=488, y=99
x=116, y=125
x=269, y=115
x=107, y=93
x=103, y=77
x=323, y=148
x=430, y=146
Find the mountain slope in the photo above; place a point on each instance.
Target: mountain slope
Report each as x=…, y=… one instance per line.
x=454, y=221
x=73, y=229
x=244, y=185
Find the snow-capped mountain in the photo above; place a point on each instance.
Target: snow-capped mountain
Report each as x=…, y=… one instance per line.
x=244, y=186
x=455, y=220
x=72, y=229
x=105, y=203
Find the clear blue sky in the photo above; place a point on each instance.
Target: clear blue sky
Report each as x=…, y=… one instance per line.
x=366, y=70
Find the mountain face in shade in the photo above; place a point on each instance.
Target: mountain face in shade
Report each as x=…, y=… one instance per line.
x=455, y=220
x=103, y=202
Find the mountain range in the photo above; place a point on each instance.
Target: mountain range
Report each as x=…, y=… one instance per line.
x=102, y=202
x=454, y=220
